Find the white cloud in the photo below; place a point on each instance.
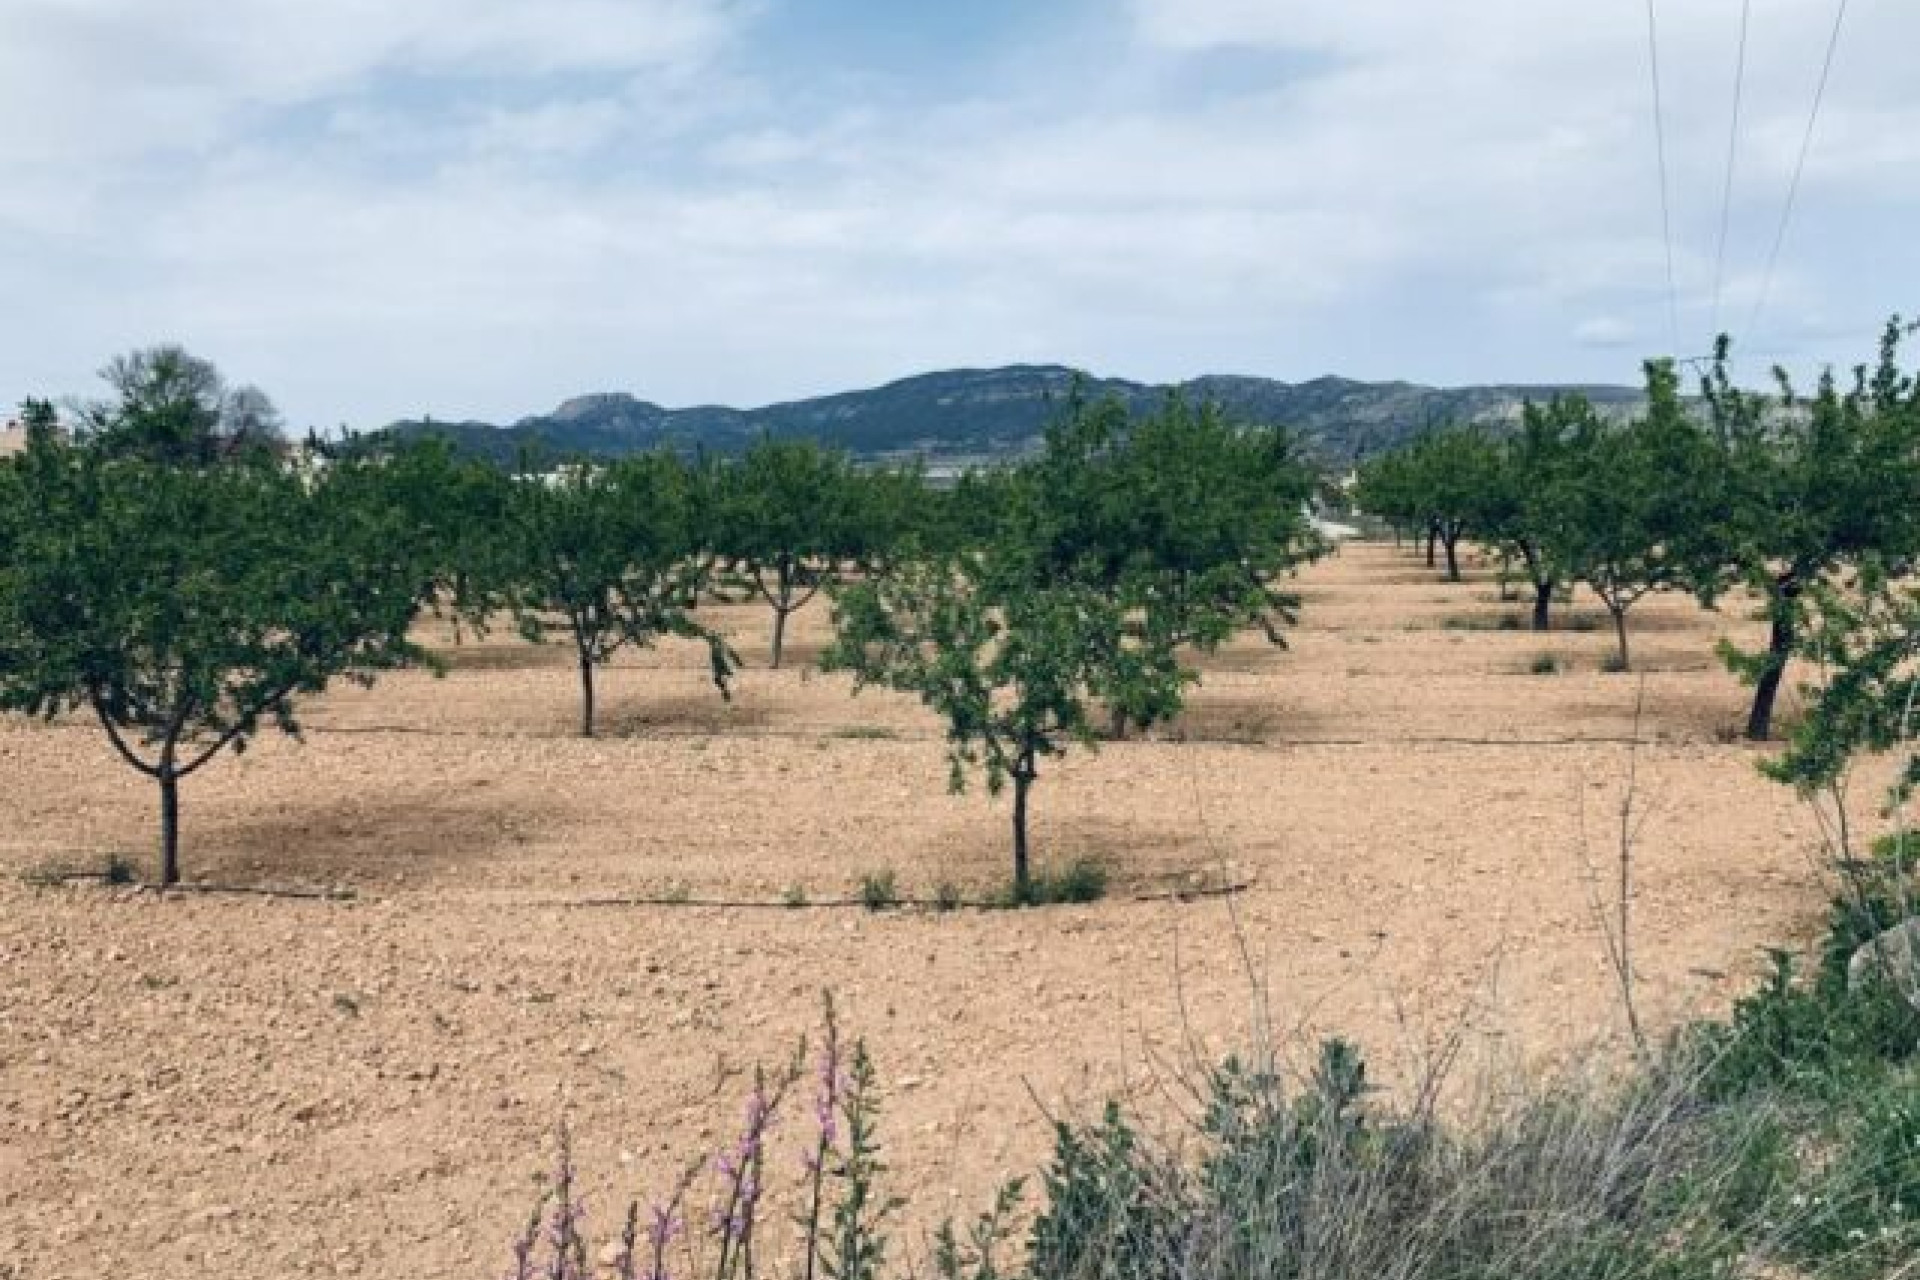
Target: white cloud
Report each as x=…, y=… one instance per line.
x=1448, y=190
x=1605, y=331
x=85, y=80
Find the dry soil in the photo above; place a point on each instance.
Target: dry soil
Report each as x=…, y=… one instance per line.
x=214, y=1085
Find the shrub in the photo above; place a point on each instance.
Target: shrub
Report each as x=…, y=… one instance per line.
x=865, y=733
x=1579, y=1182
x=1816, y=1034
x=1482, y=622
x=1859, y=1216
x=1081, y=881
x=878, y=891
x=947, y=897
x=1782, y=1141
x=1544, y=664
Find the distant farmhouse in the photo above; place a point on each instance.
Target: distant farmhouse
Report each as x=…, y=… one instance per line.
x=13, y=436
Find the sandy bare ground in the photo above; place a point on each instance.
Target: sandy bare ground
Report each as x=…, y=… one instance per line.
x=247, y=1087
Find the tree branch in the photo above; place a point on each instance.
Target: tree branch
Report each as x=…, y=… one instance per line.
x=113, y=736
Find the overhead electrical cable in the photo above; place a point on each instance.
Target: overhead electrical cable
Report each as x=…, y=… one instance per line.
x=1799, y=169
x=1733, y=152
x=1660, y=142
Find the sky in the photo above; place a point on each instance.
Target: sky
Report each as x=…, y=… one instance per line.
x=477, y=208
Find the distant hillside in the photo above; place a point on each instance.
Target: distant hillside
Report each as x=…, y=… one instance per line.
x=982, y=413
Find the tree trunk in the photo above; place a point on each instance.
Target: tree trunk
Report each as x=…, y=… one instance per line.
x=1779, y=650
x=1433, y=537
x=1542, y=603
x=1452, y=538
x=1620, y=633
x=1506, y=576
x=1023, y=773
x=586, y=694
x=169, y=824
x=782, y=606
x=779, y=634
x=1117, y=723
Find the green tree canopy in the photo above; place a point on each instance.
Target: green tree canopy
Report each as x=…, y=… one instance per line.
x=1867, y=637
x=1811, y=487
x=1125, y=545
x=610, y=556
x=171, y=406
x=1444, y=483
x=1535, y=464
x=1634, y=504
x=792, y=517
x=183, y=608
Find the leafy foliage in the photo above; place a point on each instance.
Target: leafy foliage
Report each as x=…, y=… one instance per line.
x=184, y=608
x=170, y=406
x=793, y=517
x=609, y=556
x=1445, y=483
x=1126, y=542
x=1811, y=488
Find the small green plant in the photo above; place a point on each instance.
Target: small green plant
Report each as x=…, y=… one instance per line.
x=866, y=733
x=947, y=897
x=991, y=1234
x=878, y=892
x=1862, y=1211
x=1816, y=1034
x=677, y=893
x=1544, y=664
x=1081, y=881
x=116, y=870
x=794, y=896
x=1899, y=850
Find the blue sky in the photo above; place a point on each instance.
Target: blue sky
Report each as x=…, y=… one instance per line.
x=480, y=207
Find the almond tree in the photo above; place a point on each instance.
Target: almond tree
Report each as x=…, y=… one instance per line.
x=1125, y=546
x=1633, y=508
x=1011, y=665
x=1443, y=482
x=1814, y=486
x=791, y=520
x=1193, y=517
x=184, y=608
x=609, y=556
x=1522, y=506
x=1867, y=637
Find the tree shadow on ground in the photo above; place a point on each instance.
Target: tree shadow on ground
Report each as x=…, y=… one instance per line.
x=504, y=657
x=372, y=835
x=705, y=712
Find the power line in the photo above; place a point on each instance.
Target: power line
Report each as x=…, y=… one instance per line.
x=1660, y=143
x=1799, y=168
x=1733, y=151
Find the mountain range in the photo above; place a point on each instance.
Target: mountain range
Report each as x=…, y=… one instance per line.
x=982, y=414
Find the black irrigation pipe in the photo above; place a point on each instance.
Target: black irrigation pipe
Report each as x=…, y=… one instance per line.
x=193, y=887
x=724, y=904
x=828, y=735
x=840, y=904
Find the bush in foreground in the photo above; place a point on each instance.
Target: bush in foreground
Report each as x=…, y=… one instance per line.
x=1784, y=1141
